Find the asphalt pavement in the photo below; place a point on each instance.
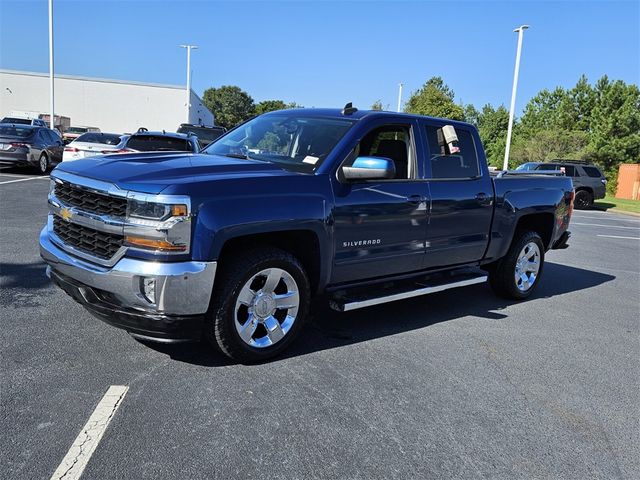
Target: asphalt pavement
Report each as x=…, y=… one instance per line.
x=458, y=384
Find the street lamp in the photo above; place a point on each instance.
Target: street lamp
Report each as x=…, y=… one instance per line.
x=520, y=30
x=189, y=48
x=399, y=96
x=51, y=104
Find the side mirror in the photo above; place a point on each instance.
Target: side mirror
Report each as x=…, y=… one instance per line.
x=370, y=168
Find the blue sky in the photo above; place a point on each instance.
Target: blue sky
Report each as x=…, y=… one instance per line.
x=325, y=53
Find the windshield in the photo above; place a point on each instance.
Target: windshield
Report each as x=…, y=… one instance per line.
x=292, y=141
x=526, y=167
x=76, y=130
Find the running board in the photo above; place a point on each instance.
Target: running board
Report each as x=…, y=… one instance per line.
x=415, y=289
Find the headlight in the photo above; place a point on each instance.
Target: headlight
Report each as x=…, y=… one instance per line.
x=154, y=211
x=159, y=226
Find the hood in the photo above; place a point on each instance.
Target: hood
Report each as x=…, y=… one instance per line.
x=152, y=172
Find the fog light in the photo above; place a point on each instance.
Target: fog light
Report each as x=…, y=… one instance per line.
x=148, y=288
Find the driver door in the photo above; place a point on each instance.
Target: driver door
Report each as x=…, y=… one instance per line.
x=380, y=225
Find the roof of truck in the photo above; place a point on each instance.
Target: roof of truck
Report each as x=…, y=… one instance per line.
x=358, y=114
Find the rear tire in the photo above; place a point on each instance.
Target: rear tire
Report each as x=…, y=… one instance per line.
x=583, y=200
x=259, y=305
x=43, y=164
x=518, y=274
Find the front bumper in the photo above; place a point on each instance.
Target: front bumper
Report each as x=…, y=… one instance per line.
x=116, y=294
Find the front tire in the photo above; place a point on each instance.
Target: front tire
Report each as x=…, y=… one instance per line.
x=583, y=200
x=259, y=305
x=517, y=275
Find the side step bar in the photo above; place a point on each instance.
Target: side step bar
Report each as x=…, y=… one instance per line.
x=345, y=304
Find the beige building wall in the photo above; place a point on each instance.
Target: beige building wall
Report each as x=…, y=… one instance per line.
x=111, y=105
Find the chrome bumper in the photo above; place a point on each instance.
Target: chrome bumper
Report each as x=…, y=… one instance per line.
x=181, y=288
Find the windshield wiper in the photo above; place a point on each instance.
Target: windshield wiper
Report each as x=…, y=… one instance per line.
x=238, y=155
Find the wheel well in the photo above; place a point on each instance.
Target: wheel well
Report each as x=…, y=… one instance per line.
x=585, y=189
x=302, y=244
x=542, y=223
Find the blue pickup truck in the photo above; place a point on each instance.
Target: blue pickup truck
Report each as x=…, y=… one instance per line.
x=354, y=208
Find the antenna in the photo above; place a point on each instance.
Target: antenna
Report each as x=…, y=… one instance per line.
x=349, y=109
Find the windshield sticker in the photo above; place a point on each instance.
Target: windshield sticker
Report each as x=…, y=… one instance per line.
x=310, y=159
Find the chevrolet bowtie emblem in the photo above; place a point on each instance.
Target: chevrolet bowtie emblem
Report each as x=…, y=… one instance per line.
x=65, y=213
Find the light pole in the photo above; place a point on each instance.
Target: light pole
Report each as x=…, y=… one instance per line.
x=189, y=48
x=399, y=96
x=520, y=31
x=51, y=104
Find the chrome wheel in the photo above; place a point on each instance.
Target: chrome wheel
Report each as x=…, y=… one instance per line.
x=267, y=307
x=44, y=163
x=527, y=266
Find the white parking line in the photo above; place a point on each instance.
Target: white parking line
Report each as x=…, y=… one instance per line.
x=24, y=180
x=617, y=236
x=606, y=226
x=76, y=459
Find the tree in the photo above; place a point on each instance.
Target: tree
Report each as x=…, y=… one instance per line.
x=230, y=105
x=435, y=99
x=471, y=115
x=492, y=125
x=270, y=106
x=377, y=105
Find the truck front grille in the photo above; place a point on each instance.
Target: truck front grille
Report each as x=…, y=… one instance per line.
x=90, y=201
x=99, y=244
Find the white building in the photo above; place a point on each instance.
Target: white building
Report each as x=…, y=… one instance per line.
x=111, y=105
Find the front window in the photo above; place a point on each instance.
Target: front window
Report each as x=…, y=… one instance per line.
x=294, y=142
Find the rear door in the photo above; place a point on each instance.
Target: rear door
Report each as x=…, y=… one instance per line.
x=380, y=225
x=461, y=198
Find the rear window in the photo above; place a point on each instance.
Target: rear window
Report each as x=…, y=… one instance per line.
x=592, y=172
x=19, y=121
x=102, y=138
x=463, y=164
x=207, y=134
x=151, y=143
x=15, y=131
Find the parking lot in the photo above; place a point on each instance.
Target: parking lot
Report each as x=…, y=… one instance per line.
x=459, y=384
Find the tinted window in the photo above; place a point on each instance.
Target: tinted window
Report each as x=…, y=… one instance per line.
x=102, y=138
x=592, y=172
x=152, y=143
x=18, y=121
x=203, y=133
x=461, y=164
x=15, y=131
x=548, y=167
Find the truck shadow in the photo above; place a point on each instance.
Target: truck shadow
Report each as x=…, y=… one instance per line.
x=328, y=329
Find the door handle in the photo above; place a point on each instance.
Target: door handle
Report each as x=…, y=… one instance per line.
x=416, y=199
x=482, y=198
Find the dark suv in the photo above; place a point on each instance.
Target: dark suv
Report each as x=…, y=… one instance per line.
x=588, y=180
x=146, y=141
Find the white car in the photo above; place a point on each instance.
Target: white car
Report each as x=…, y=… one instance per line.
x=94, y=143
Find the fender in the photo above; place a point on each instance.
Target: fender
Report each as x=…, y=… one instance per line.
x=513, y=205
x=222, y=219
